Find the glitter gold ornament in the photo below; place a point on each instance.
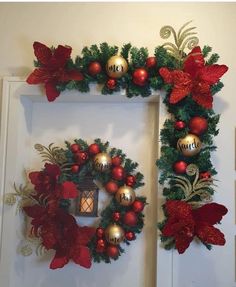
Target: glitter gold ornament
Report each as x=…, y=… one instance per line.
x=116, y=67
x=190, y=145
x=125, y=195
x=114, y=234
x=102, y=161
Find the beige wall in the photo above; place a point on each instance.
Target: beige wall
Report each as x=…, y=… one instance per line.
x=81, y=24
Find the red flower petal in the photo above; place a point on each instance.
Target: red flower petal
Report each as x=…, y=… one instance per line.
x=42, y=52
x=84, y=235
x=59, y=260
x=211, y=213
x=194, y=62
x=51, y=92
x=75, y=75
x=204, y=100
x=68, y=190
x=33, y=176
x=82, y=256
x=52, y=170
x=166, y=75
x=212, y=74
x=182, y=243
x=179, y=209
x=209, y=234
x=178, y=94
x=34, y=211
x=61, y=56
x=38, y=76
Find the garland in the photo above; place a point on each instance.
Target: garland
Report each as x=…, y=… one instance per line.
x=190, y=80
x=47, y=204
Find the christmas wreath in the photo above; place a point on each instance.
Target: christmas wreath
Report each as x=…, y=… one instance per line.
x=65, y=174
x=190, y=81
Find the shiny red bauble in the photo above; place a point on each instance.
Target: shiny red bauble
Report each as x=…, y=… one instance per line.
x=75, y=148
x=179, y=167
x=111, y=84
x=112, y=251
x=198, y=125
x=111, y=187
x=205, y=175
x=130, y=218
x=75, y=168
x=118, y=172
x=179, y=125
x=101, y=245
x=116, y=216
x=116, y=160
x=81, y=157
x=100, y=232
x=140, y=77
x=151, y=62
x=129, y=235
x=94, y=68
x=138, y=206
x=93, y=149
x=130, y=180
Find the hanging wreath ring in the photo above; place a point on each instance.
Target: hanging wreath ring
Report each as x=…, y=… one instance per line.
x=74, y=173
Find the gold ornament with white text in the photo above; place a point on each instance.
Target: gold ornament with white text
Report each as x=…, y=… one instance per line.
x=102, y=161
x=125, y=195
x=114, y=234
x=116, y=67
x=190, y=145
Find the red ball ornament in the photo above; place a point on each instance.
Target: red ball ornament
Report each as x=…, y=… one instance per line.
x=205, y=175
x=130, y=218
x=74, y=148
x=118, y=172
x=111, y=187
x=198, y=125
x=93, y=149
x=179, y=167
x=101, y=245
x=129, y=235
x=112, y=251
x=116, y=161
x=81, y=157
x=138, y=206
x=75, y=168
x=111, y=84
x=151, y=62
x=100, y=232
x=94, y=68
x=140, y=76
x=130, y=180
x=179, y=125
x=116, y=216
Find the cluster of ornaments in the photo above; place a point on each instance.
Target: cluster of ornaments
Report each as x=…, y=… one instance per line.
x=120, y=186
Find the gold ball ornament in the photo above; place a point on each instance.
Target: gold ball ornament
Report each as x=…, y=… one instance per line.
x=102, y=161
x=116, y=67
x=190, y=145
x=125, y=195
x=114, y=234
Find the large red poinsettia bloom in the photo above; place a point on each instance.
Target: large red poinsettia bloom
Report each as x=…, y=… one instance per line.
x=52, y=69
x=196, y=79
x=60, y=232
x=184, y=223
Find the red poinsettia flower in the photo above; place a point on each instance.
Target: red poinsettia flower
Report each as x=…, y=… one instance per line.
x=184, y=223
x=196, y=78
x=52, y=69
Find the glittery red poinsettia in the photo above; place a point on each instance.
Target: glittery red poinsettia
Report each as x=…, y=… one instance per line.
x=196, y=79
x=52, y=69
x=184, y=223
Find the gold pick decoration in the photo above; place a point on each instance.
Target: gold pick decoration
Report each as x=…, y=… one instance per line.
x=54, y=155
x=185, y=38
x=197, y=187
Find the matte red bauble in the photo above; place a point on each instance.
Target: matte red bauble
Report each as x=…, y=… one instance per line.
x=111, y=84
x=129, y=235
x=130, y=218
x=100, y=232
x=112, y=251
x=111, y=187
x=198, y=125
x=205, y=175
x=81, y=157
x=151, y=62
x=130, y=180
x=116, y=161
x=118, y=172
x=94, y=149
x=116, y=216
x=179, y=167
x=138, y=206
x=179, y=125
x=94, y=68
x=140, y=76
x=75, y=168
x=74, y=148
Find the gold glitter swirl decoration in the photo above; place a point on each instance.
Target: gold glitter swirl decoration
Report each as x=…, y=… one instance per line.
x=53, y=154
x=185, y=38
x=198, y=186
